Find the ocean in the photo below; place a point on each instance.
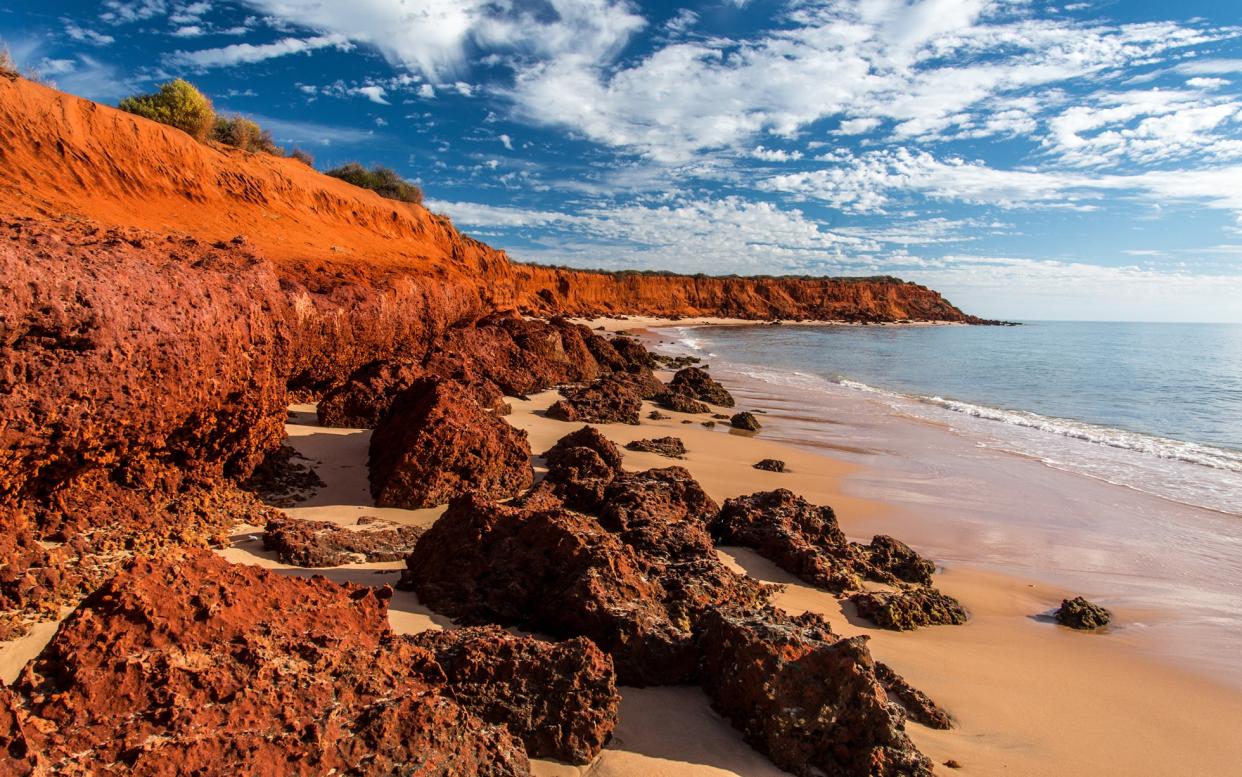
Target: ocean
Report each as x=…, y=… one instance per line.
x=1103, y=458
x=1155, y=407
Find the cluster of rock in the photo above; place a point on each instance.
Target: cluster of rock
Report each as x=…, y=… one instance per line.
x=1078, y=613
x=189, y=664
x=669, y=447
x=627, y=559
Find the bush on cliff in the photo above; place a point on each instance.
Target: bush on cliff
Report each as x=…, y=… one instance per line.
x=382, y=180
x=245, y=134
x=8, y=68
x=302, y=156
x=178, y=104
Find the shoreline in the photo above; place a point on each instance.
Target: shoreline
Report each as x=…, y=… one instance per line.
x=629, y=324
x=1029, y=697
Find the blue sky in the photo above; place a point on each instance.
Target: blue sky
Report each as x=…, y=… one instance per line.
x=1077, y=160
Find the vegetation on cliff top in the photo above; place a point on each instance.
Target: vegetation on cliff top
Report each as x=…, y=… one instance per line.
x=382, y=180
x=180, y=104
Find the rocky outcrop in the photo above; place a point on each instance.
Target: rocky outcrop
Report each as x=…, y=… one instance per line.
x=808, y=699
x=308, y=543
x=697, y=384
x=561, y=573
x=770, y=465
x=284, y=478
x=905, y=610
x=800, y=537
x=680, y=403
x=592, y=293
x=436, y=443
x=192, y=664
x=745, y=421
x=669, y=447
x=1078, y=613
x=605, y=401
x=559, y=698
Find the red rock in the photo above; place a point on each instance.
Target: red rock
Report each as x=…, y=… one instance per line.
x=799, y=537
x=436, y=443
x=697, y=384
x=602, y=402
x=909, y=609
x=679, y=403
x=559, y=698
x=559, y=572
x=309, y=543
x=807, y=698
x=918, y=705
x=893, y=561
x=190, y=663
x=669, y=447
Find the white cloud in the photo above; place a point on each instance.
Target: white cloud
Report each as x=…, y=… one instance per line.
x=867, y=183
x=86, y=36
x=774, y=154
x=127, y=11
x=189, y=31
x=426, y=91
x=506, y=141
x=375, y=94
x=247, y=53
x=432, y=36
x=935, y=67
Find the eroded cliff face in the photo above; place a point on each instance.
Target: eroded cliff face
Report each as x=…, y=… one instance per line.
x=543, y=290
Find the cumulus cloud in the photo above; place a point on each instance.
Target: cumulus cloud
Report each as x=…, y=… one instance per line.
x=434, y=36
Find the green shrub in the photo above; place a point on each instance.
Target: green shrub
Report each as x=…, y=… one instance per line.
x=302, y=156
x=177, y=104
x=382, y=180
x=245, y=134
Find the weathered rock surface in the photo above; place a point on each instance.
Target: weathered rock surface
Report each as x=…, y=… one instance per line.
x=680, y=403
x=190, y=664
x=602, y=402
x=1078, y=613
x=697, y=384
x=580, y=467
x=559, y=698
x=909, y=609
x=363, y=400
x=671, y=447
x=561, y=573
x=770, y=465
x=745, y=421
x=799, y=537
x=437, y=443
x=893, y=561
x=808, y=699
x=918, y=705
x=309, y=543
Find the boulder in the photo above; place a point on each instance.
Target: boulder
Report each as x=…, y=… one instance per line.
x=909, y=609
x=770, y=465
x=189, y=664
x=602, y=402
x=808, y=699
x=559, y=698
x=697, y=384
x=670, y=447
x=893, y=561
x=801, y=538
x=437, y=443
x=282, y=479
x=679, y=403
x=1078, y=613
x=745, y=421
x=366, y=397
x=309, y=543
x=656, y=415
x=580, y=467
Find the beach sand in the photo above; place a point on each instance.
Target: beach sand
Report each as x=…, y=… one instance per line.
x=1029, y=697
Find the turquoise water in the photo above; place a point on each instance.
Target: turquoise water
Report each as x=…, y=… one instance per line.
x=1155, y=407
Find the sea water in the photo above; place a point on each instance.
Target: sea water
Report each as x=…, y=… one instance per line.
x=1105, y=458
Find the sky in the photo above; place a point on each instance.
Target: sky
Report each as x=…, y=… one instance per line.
x=1030, y=160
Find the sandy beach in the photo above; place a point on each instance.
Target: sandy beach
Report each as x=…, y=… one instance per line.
x=1028, y=697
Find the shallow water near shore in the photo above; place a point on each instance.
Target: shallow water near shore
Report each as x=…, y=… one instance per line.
x=1158, y=538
